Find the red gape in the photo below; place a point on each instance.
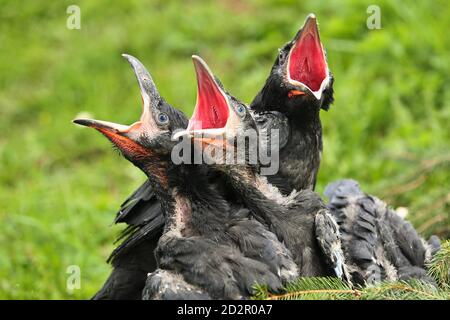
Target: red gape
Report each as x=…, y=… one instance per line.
x=306, y=60
x=211, y=110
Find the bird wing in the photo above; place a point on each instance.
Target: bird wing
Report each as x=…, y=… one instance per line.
x=132, y=260
x=143, y=214
x=329, y=238
x=354, y=214
x=221, y=270
x=130, y=269
x=122, y=284
x=378, y=244
x=167, y=285
x=272, y=120
x=149, y=232
x=410, y=243
x=266, y=122
x=140, y=207
x=262, y=245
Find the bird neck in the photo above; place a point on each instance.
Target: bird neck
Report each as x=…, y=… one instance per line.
x=300, y=158
x=270, y=97
x=258, y=194
x=175, y=206
x=190, y=203
x=306, y=117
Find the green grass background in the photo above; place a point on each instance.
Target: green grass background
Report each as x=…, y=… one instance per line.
x=60, y=185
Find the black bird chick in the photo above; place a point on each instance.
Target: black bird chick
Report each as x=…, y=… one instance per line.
x=301, y=220
x=133, y=259
x=378, y=244
x=299, y=85
x=212, y=245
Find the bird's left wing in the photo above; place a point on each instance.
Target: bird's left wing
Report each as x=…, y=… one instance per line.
x=273, y=132
x=329, y=238
x=269, y=121
x=167, y=285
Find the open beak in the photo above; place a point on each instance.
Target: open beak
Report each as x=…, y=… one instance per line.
x=212, y=111
x=123, y=136
x=307, y=65
x=117, y=134
x=102, y=125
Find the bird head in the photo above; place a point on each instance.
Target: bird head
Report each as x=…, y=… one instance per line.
x=149, y=139
x=300, y=78
x=219, y=120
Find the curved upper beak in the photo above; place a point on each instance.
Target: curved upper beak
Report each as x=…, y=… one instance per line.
x=123, y=135
x=149, y=93
x=148, y=90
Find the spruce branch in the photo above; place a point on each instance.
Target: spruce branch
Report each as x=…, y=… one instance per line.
x=335, y=289
x=404, y=290
x=439, y=266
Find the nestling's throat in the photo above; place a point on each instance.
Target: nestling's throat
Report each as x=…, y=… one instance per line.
x=245, y=178
x=179, y=221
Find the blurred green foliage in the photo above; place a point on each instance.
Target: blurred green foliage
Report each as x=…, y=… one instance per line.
x=60, y=185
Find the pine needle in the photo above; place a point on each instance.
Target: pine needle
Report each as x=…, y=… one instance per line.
x=439, y=266
x=335, y=289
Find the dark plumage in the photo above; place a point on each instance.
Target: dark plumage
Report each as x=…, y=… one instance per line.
x=166, y=285
x=300, y=220
x=297, y=119
x=207, y=242
x=142, y=212
x=139, y=208
x=378, y=244
x=132, y=260
x=296, y=105
x=203, y=239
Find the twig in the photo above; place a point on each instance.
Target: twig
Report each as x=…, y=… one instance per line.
x=407, y=288
x=430, y=222
x=396, y=190
x=425, y=167
x=438, y=203
x=355, y=292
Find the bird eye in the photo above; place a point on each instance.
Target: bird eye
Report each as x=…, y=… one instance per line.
x=240, y=110
x=162, y=118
